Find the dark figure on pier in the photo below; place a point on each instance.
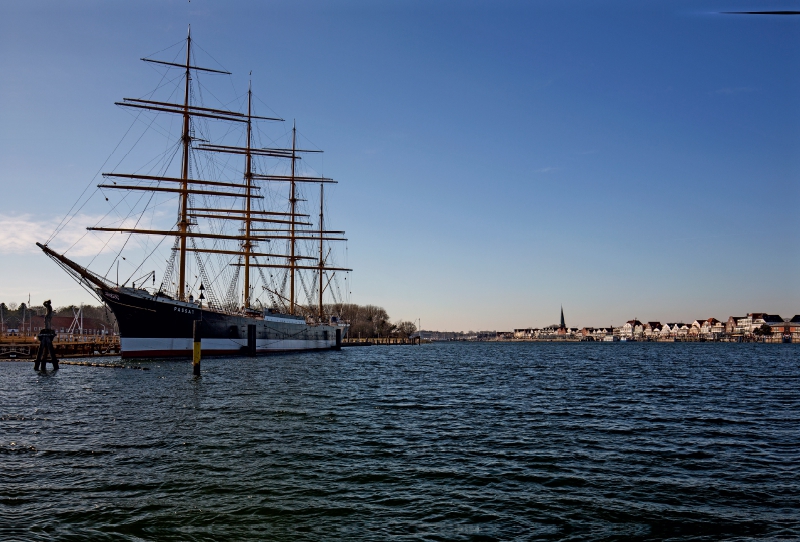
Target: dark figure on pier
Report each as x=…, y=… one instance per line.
x=48, y=315
x=46, y=337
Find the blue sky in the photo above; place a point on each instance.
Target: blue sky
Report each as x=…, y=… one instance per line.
x=496, y=159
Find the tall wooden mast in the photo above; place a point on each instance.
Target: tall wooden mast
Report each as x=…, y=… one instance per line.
x=321, y=229
x=248, y=175
x=293, y=202
x=183, y=224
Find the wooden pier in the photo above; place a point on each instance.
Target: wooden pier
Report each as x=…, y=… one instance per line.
x=24, y=346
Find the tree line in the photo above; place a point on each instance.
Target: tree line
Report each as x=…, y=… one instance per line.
x=371, y=321
x=22, y=310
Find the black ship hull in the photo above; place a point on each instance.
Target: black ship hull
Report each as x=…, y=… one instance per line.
x=156, y=326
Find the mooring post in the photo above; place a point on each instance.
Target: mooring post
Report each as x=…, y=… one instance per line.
x=338, y=338
x=251, y=340
x=196, y=351
x=45, y=349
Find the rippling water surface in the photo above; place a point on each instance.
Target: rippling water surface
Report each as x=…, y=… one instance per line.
x=435, y=442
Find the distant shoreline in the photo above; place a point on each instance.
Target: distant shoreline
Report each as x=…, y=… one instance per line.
x=584, y=340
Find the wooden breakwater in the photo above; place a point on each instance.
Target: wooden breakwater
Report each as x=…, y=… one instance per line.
x=383, y=341
x=26, y=346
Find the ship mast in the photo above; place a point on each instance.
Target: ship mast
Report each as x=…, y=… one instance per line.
x=248, y=175
x=321, y=229
x=183, y=224
x=293, y=201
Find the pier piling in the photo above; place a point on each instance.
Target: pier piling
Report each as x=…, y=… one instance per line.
x=251, y=340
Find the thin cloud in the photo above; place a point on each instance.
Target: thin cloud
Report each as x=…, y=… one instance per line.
x=547, y=169
x=22, y=232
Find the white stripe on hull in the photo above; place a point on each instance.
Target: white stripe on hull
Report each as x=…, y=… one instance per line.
x=144, y=347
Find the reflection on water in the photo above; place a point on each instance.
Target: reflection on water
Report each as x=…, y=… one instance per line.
x=443, y=441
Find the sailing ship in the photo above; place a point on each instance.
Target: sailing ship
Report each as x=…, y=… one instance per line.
x=158, y=321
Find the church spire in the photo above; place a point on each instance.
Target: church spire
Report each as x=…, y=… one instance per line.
x=563, y=325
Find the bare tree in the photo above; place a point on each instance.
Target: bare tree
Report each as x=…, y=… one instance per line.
x=366, y=321
x=405, y=328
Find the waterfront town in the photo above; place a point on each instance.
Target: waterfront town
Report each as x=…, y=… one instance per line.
x=754, y=327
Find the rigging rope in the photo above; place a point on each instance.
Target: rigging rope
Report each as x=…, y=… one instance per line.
x=213, y=302
x=231, y=299
x=305, y=289
x=272, y=299
x=169, y=272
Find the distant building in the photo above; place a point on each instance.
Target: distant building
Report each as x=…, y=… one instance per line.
x=695, y=326
x=746, y=325
x=440, y=335
x=562, y=328
x=596, y=333
x=65, y=326
x=525, y=333
x=717, y=328
x=631, y=329
x=789, y=329
x=676, y=330
x=759, y=319
x=732, y=325
x=547, y=332
x=652, y=330
x=794, y=327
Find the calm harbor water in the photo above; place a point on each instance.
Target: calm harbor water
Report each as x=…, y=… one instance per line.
x=434, y=442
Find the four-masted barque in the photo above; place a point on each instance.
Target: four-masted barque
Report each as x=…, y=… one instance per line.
x=224, y=217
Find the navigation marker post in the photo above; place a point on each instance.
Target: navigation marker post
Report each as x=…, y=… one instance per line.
x=196, y=333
